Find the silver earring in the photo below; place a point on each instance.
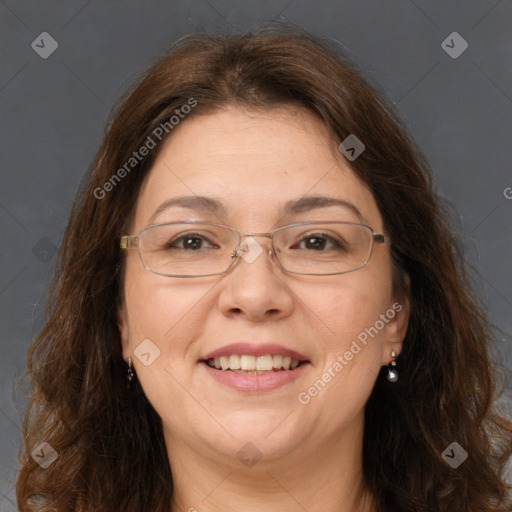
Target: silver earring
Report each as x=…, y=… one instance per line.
x=130, y=374
x=392, y=375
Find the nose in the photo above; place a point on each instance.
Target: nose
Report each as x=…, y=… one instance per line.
x=255, y=288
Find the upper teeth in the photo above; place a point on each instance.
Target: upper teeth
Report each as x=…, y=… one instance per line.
x=244, y=362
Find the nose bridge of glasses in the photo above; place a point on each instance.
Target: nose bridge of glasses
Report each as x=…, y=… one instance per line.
x=249, y=248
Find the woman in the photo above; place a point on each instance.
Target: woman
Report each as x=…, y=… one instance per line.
x=259, y=305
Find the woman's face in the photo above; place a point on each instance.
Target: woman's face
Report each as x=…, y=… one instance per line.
x=342, y=327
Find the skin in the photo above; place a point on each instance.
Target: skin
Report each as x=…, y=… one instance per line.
x=311, y=459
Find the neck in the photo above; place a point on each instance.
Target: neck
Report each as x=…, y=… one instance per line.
x=323, y=477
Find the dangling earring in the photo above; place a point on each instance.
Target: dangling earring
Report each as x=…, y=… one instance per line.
x=392, y=375
x=130, y=374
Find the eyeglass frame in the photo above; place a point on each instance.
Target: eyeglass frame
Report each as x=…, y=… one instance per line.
x=133, y=242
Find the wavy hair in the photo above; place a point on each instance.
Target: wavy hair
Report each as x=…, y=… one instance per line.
x=109, y=440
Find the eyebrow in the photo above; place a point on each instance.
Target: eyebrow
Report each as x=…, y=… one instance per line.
x=205, y=204
x=201, y=204
x=309, y=203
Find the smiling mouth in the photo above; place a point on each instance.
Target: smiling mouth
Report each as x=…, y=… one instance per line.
x=254, y=365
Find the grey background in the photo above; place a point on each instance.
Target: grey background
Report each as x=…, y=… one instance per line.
x=53, y=113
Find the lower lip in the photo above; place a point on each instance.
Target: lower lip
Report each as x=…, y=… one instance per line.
x=256, y=383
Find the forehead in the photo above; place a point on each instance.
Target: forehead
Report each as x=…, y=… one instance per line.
x=253, y=162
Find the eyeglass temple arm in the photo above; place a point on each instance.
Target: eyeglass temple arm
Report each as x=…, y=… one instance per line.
x=381, y=239
x=129, y=242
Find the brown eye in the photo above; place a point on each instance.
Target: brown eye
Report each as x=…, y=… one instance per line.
x=319, y=242
x=315, y=242
x=189, y=241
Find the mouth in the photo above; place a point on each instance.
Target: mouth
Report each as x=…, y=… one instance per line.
x=248, y=367
x=246, y=364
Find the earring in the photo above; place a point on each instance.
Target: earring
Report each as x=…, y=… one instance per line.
x=130, y=374
x=392, y=375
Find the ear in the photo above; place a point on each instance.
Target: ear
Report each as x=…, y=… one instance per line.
x=396, y=329
x=124, y=331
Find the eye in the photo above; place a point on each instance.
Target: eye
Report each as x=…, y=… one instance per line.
x=319, y=242
x=190, y=241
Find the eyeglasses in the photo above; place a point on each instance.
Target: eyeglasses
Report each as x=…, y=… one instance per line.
x=201, y=249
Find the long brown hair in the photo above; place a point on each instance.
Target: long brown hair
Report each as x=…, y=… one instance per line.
x=109, y=441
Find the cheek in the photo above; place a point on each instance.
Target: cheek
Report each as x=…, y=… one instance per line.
x=347, y=306
x=165, y=318
x=164, y=310
x=347, y=312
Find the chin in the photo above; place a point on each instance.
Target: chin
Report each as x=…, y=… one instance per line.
x=272, y=433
